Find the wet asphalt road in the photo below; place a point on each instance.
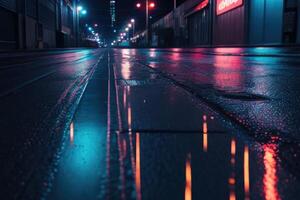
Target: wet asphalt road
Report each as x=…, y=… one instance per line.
x=150, y=124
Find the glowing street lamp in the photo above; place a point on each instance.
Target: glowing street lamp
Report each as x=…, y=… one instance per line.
x=138, y=5
x=83, y=12
x=152, y=5
x=79, y=8
x=133, y=26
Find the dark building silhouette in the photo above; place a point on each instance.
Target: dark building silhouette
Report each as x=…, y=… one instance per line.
x=28, y=24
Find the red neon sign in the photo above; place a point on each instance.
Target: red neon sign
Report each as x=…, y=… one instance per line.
x=224, y=6
x=202, y=5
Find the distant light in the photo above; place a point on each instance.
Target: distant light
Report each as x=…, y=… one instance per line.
x=138, y=5
x=112, y=44
x=115, y=30
x=96, y=25
x=129, y=25
x=126, y=29
x=84, y=12
x=79, y=8
x=132, y=20
x=90, y=28
x=152, y=5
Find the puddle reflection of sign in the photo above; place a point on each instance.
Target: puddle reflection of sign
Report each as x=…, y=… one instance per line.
x=227, y=5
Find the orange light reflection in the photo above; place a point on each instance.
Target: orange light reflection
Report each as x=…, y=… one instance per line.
x=188, y=179
x=246, y=173
x=270, y=176
x=205, y=134
x=233, y=151
x=129, y=117
x=231, y=180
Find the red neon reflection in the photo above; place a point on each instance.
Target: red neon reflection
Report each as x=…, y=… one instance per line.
x=227, y=5
x=138, y=168
x=228, y=73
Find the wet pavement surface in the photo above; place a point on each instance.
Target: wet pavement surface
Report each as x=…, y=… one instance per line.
x=150, y=124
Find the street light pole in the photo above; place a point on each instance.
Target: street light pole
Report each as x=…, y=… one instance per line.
x=175, y=4
x=133, y=27
x=147, y=22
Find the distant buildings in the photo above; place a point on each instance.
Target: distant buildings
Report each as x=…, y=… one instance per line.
x=229, y=23
x=113, y=12
x=28, y=24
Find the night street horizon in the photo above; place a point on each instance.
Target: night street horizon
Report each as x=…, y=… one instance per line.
x=150, y=100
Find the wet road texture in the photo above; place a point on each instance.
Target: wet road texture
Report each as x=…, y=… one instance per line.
x=151, y=124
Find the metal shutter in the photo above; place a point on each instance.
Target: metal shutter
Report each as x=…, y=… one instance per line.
x=31, y=8
x=9, y=4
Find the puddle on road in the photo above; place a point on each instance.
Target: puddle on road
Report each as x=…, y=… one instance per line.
x=186, y=166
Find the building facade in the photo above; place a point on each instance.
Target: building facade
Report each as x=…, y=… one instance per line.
x=32, y=24
x=112, y=4
x=233, y=23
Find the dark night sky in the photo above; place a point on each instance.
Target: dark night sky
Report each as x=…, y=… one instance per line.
x=98, y=12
